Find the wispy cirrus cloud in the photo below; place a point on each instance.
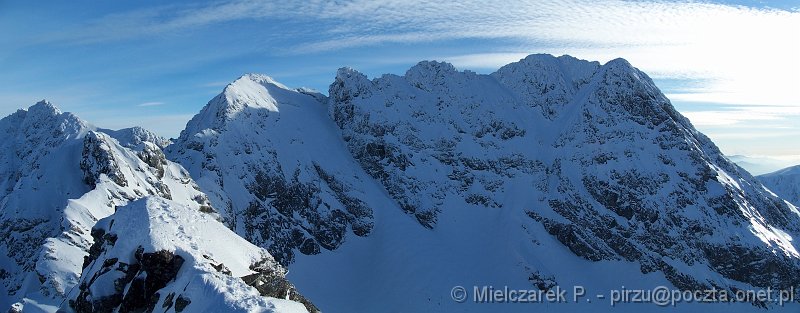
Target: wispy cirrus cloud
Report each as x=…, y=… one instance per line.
x=214, y=84
x=731, y=116
x=150, y=104
x=743, y=59
x=747, y=55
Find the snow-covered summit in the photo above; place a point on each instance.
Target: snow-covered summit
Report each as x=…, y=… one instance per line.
x=428, y=73
x=273, y=164
x=42, y=125
x=243, y=97
x=545, y=81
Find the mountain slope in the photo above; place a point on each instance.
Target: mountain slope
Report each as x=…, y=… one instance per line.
x=551, y=150
x=503, y=179
x=785, y=183
x=272, y=163
x=60, y=176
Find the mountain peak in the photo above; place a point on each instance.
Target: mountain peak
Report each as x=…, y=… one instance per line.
x=261, y=79
x=619, y=75
x=431, y=67
x=252, y=90
x=249, y=90
x=545, y=81
x=620, y=66
x=429, y=73
x=349, y=74
x=44, y=121
x=44, y=107
x=251, y=95
x=619, y=62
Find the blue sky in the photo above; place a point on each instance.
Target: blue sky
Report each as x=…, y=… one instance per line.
x=731, y=67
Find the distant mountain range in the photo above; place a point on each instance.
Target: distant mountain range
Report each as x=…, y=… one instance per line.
x=388, y=194
x=785, y=183
x=758, y=165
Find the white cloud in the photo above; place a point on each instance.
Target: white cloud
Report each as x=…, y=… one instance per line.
x=150, y=104
x=720, y=118
x=746, y=55
x=215, y=84
x=737, y=115
x=734, y=55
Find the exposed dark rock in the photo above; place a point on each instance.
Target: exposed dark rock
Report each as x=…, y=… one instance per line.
x=168, y=301
x=541, y=281
x=154, y=157
x=99, y=159
x=326, y=222
x=221, y=268
x=271, y=283
x=136, y=285
x=181, y=302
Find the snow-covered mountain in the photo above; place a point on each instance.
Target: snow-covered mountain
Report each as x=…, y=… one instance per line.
x=59, y=176
x=272, y=162
x=785, y=183
x=550, y=171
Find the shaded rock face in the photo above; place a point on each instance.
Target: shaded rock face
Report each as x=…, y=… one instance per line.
x=293, y=197
x=616, y=172
x=154, y=157
x=693, y=207
x=135, y=285
x=98, y=159
x=409, y=133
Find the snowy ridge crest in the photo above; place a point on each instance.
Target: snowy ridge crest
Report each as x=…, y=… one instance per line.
x=71, y=175
x=156, y=253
